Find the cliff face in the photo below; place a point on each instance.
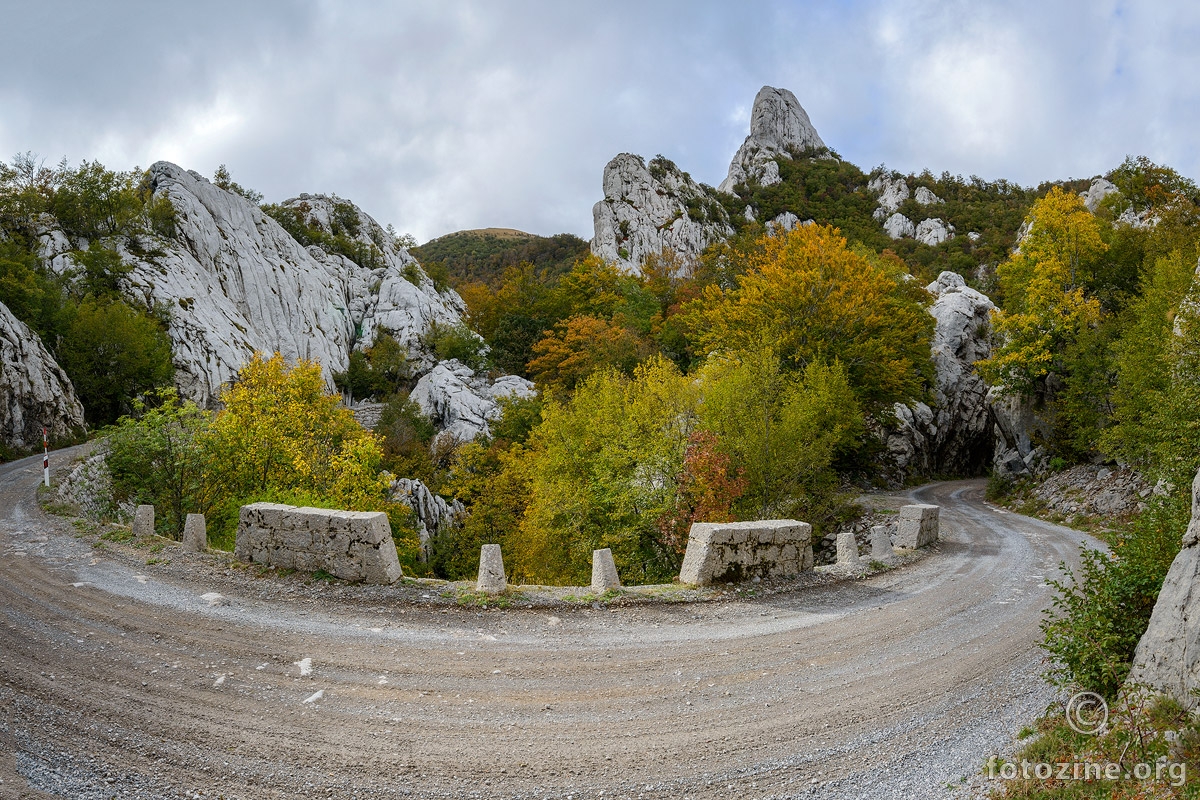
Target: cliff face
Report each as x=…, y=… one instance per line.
x=1168, y=655
x=34, y=391
x=236, y=282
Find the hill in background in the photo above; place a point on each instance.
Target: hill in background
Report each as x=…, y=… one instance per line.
x=483, y=254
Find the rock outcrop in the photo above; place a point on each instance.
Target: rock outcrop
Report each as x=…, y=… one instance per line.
x=34, y=390
x=236, y=282
x=1094, y=196
x=955, y=434
x=434, y=514
x=891, y=191
x=779, y=127
x=647, y=208
x=1168, y=656
x=899, y=226
x=933, y=231
x=461, y=403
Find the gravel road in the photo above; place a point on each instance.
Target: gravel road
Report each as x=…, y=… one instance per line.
x=120, y=681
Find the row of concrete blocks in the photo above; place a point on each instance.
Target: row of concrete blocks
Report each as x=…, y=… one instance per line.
x=195, y=534
x=918, y=527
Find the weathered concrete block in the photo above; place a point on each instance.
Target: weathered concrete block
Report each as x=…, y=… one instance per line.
x=195, y=534
x=847, y=550
x=918, y=526
x=881, y=544
x=604, y=571
x=352, y=545
x=720, y=552
x=491, y=570
x=143, y=522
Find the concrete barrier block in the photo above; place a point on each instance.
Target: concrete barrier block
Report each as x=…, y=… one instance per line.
x=492, y=579
x=847, y=550
x=143, y=522
x=918, y=526
x=351, y=545
x=881, y=544
x=604, y=572
x=195, y=534
x=734, y=551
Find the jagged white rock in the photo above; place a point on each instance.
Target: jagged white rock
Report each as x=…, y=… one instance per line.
x=461, y=403
x=1094, y=196
x=933, y=231
x=1168, y=655
x=891, y=193
x=779, y=126
x=236, y=282
x=786, y=221
x=434, y=514
x=953, y=435
x=34, y=390
x=645, y=209
x=926, y=197
x=898, y=226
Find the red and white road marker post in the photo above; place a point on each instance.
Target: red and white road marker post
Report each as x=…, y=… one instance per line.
x=46, y=456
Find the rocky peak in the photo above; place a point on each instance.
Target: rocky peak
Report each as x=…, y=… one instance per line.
x=649, y=207
x=779, y=126
x=34, y=390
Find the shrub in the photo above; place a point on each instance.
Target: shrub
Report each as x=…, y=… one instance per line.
x=457, y=341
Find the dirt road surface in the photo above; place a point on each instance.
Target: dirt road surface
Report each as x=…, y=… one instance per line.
x=115, y=682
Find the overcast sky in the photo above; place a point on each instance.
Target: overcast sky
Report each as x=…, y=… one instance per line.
x=439, y=116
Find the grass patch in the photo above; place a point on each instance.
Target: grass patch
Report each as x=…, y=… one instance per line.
x=1153, y=741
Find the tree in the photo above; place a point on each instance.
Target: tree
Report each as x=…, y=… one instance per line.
x=113, y=353
x=603, y=468
x=1045, y=307
x=222, y=179
x=578, y=347
x=280, y=437
x=782, y=429
x=818, y=301
x=154, y=456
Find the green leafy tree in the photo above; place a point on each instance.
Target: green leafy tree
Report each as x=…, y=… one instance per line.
x=113, y=353
x=154, y=456
x=222, y=179
x=782, y=429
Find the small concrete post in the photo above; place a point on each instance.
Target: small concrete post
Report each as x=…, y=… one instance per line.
x=195, y=536
x=143, y=522
x=604, y=572
x=491, y=570
x=847, y=550
x=881, y=544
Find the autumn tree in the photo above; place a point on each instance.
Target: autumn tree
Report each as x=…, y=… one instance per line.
x=1045, y=308
x=814, y=300
x=578, y=347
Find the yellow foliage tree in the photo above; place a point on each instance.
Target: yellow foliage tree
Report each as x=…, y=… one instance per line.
x=279, y=436
x=1045, y=307
x=811, y=299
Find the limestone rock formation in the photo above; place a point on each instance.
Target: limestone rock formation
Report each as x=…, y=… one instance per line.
x=1100, y=189
x=933, y=231
x=926, y=197
x=779, y=126
x=34, y=390
x=953, y=435
x=434, y=514
x=236, y=282
x=650, y=207
x=1168, y=656
x=1017, y=425
x=461, y=403
x=891, y=191
x=898, y=226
